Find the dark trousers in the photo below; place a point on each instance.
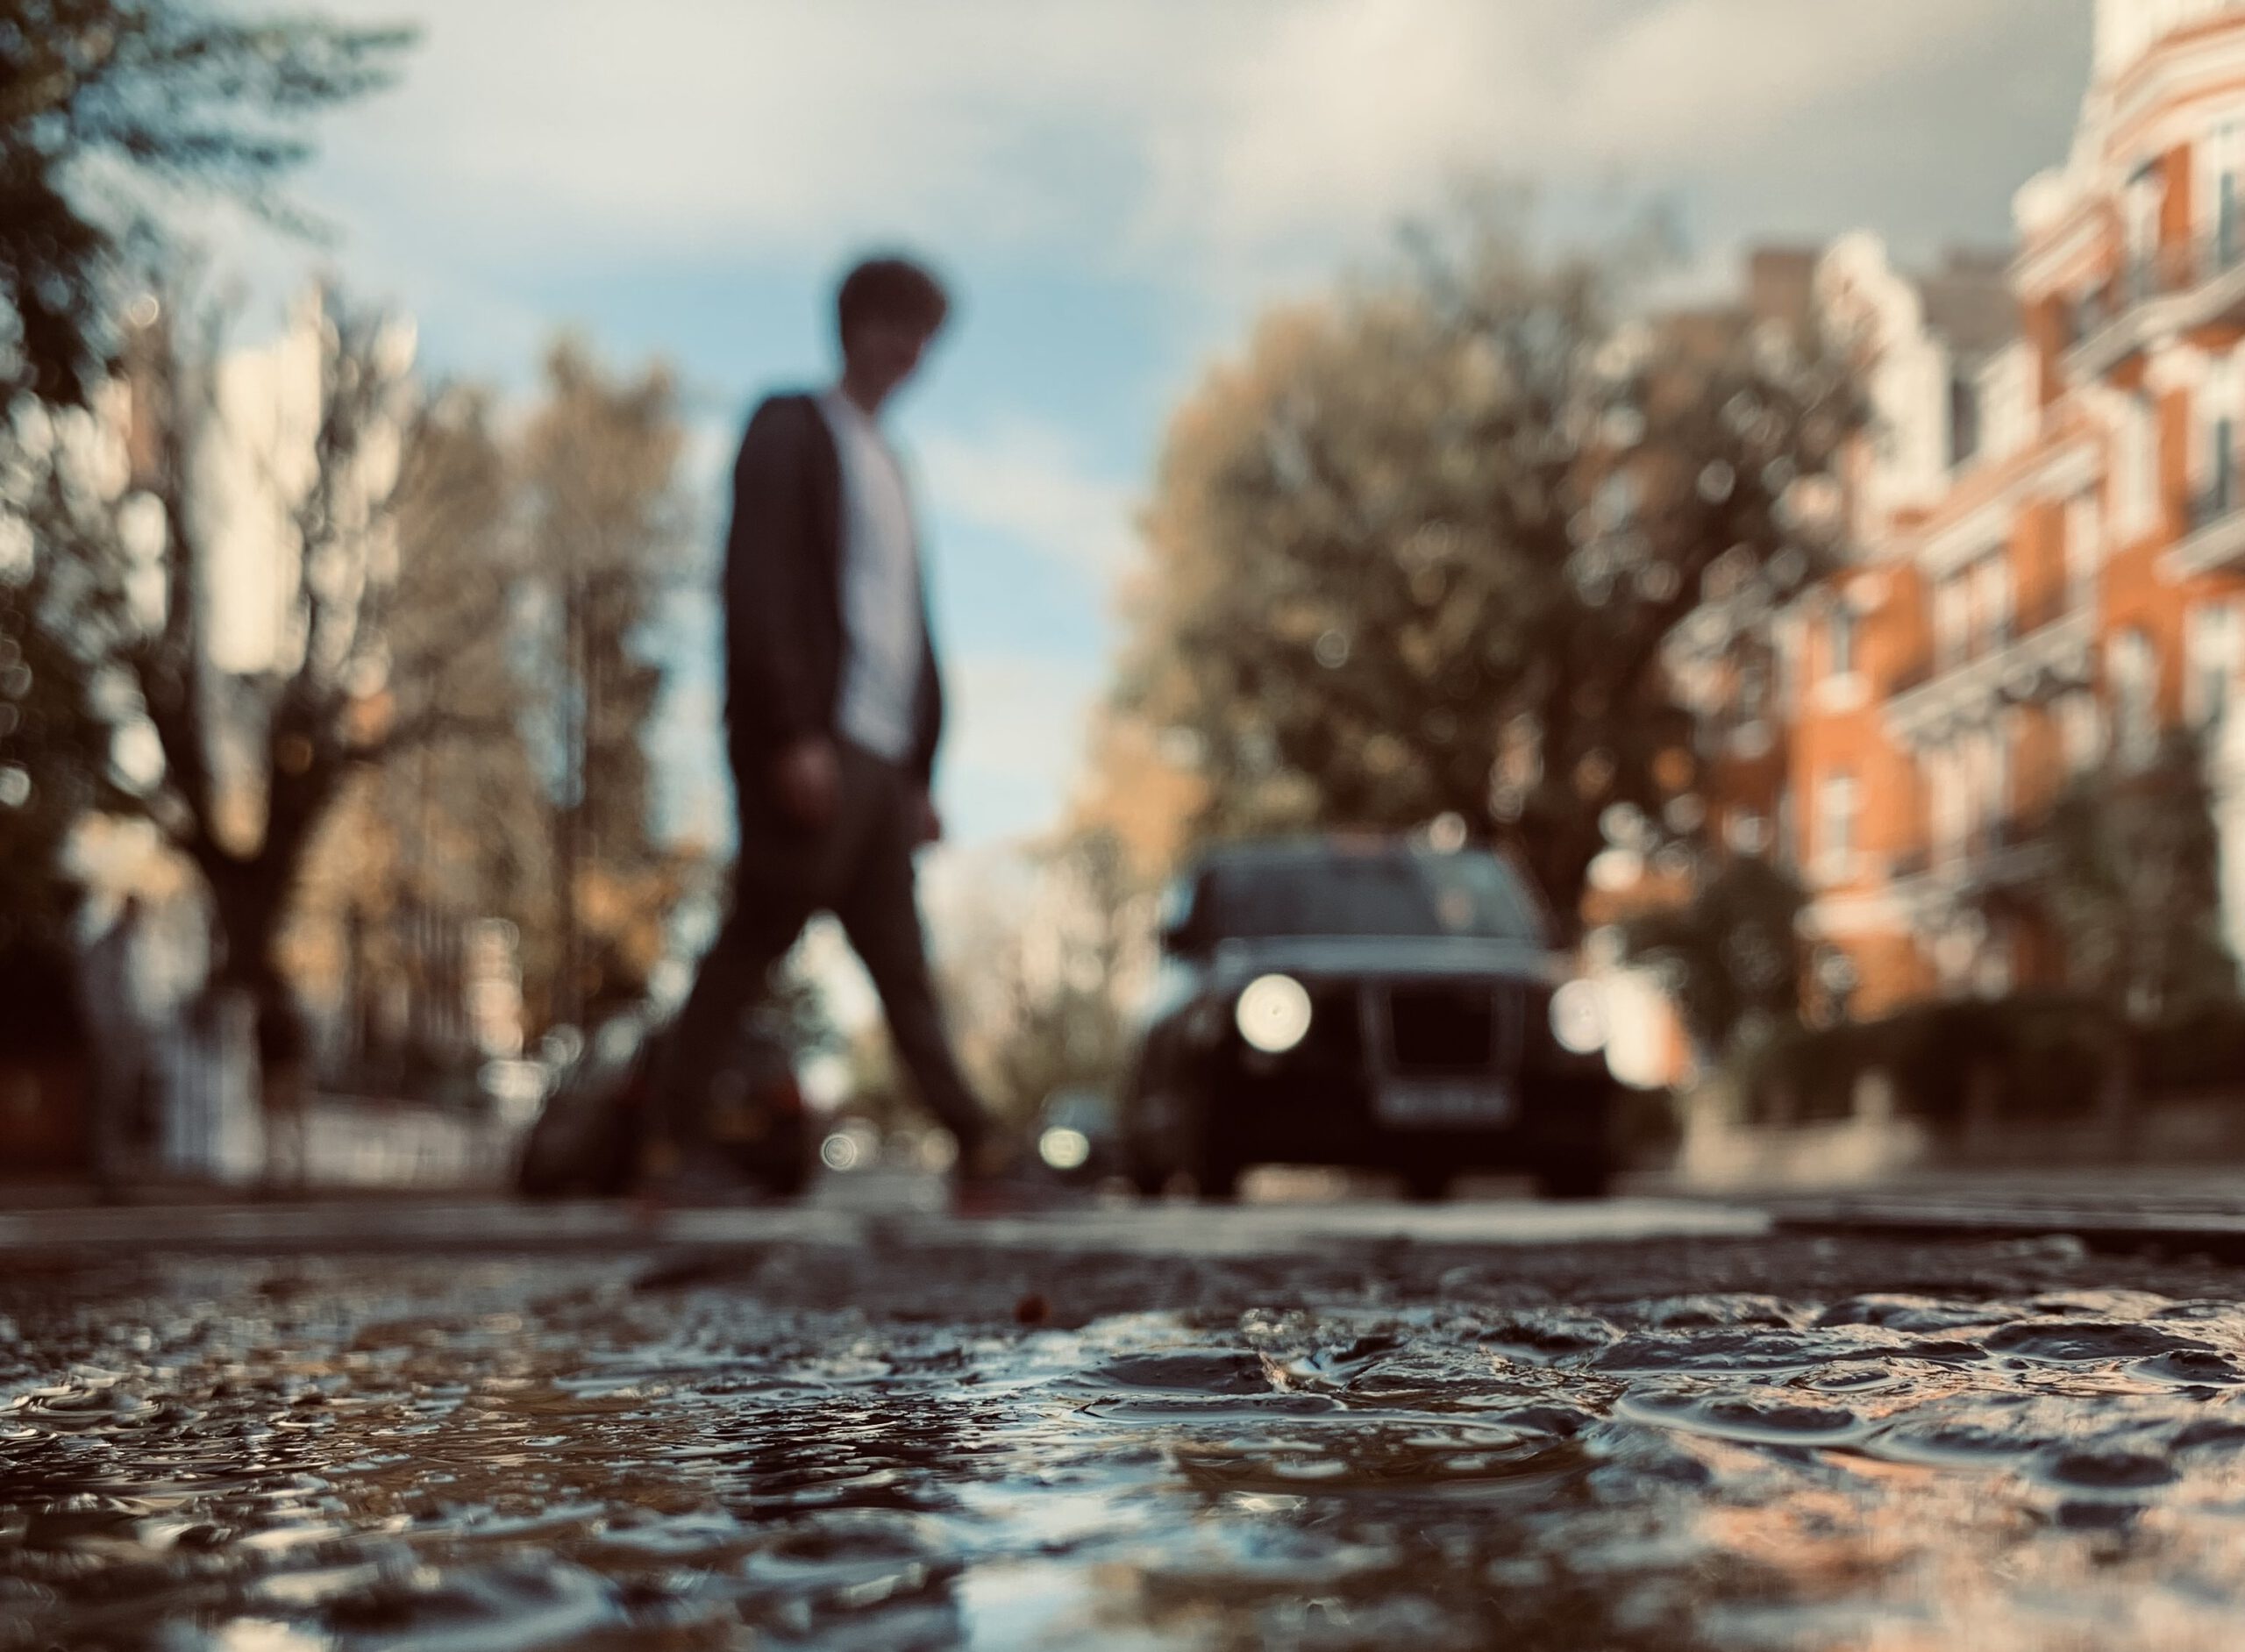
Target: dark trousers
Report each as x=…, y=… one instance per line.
x=860, y=868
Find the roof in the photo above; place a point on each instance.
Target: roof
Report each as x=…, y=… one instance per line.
x=1968, y=302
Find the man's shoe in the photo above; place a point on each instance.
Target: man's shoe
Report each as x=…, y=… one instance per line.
x=694, y=1183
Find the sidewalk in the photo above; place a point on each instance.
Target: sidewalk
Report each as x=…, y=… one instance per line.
x=353, y=1146
x=842, y=1214
x=2182, y=1211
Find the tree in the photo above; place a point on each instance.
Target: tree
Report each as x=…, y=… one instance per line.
x=1731, y=954
x=1044, y=1002
x=54, y=742
x=604, y=527
x=449, y=825
x=156, y=92
x=530, y=565
x=145, y=515
x=1420, y=550
x=2134, y=890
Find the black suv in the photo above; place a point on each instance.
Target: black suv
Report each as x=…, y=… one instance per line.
x=1367, y=1002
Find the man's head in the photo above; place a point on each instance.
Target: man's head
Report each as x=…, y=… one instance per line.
x=888, y=311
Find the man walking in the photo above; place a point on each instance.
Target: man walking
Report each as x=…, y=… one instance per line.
x=833, y=708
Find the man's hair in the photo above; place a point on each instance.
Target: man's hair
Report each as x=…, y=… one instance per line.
x=890, y=288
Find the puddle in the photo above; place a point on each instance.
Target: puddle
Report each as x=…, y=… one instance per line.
x=503, y=1456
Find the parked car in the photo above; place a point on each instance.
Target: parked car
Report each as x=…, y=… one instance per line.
x=1366, y=1002
x=591, y=1136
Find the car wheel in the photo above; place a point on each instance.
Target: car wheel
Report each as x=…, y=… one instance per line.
x=1149, y=1181
x=786, y=1175
x=1426, y=1184
x=1574, y=1176
x=1216, y=1175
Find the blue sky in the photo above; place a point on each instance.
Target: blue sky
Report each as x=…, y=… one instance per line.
x=1113, y=189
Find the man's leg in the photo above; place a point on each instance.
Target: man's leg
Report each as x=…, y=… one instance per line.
x=769, y=911
x=880, y=912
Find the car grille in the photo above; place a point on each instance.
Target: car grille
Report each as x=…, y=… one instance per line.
x=1444, y=1028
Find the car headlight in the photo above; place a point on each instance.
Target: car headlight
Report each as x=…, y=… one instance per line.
x=1063, y=1149
x=1578, y=1018
x=1274, y=1013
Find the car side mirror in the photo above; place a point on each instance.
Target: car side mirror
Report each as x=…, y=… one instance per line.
x=1179, y=929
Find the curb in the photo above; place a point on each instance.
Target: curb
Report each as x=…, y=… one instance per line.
x=2217, y=1236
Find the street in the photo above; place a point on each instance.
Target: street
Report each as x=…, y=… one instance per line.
x=1298, y=1423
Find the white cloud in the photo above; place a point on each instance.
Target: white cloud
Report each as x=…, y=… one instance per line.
x=1713, y=78
x=774, y=124
x=1030, y=483
x=1016, y=726
x=1187, y=137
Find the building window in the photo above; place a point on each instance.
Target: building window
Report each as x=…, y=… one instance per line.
x=2223, y=151
x=2081, y=732
x=1787, y=649
x=1952, y=802
x=2133, y=667
x=2141, y=208
x=1992, y=601
x=1964, y=417
x=2088, y=312
x=2138, y=459
x=1835, y=826
x=2221, y=494
x=1842, y=631
x=2006, y=403
x=1992, y=771
x=2211, y=652
x=2085, y=531
x=1952, y=621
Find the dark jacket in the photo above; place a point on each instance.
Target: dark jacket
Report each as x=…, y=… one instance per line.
x=785, y=642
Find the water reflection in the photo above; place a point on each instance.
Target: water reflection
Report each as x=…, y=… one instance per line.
x=230, y=1457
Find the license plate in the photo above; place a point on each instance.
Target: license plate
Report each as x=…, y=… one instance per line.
x=1443, y=1104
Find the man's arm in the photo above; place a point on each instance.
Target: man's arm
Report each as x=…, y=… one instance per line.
x=929, y=730
x=768, y=554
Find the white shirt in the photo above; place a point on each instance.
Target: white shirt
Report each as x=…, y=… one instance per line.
x=880, y=587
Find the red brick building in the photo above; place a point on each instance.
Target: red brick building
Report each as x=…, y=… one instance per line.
x=2047, y=519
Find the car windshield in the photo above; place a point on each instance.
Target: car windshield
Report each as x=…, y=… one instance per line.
x=1406, y=894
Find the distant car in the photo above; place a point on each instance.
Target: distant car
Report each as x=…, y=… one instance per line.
x=1075, y=1136
x=590, y=1137
x=1366, y=1002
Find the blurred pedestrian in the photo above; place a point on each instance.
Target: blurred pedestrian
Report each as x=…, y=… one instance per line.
x=833, y=707
x=283, y=1083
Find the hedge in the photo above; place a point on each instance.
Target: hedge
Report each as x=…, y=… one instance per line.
x=2046, y=1057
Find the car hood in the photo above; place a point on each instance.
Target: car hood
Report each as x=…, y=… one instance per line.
x=1384, y=956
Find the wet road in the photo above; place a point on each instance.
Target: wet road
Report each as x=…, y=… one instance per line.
x=1694, y=1442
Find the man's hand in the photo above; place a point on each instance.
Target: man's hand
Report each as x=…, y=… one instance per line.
x=927, y=824
x=809, y=775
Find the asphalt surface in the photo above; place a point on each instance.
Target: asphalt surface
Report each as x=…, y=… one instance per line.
x=1929, y=1415
x=1651, y=1426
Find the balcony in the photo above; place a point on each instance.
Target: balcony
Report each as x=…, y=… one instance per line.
x=2215, y=542
x=2049, y=647
x=2171, y=290
x=2003, y=852
x=2041, y=607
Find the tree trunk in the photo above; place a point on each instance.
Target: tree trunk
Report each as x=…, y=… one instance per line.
x=1559, y=861
x=248, y=904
